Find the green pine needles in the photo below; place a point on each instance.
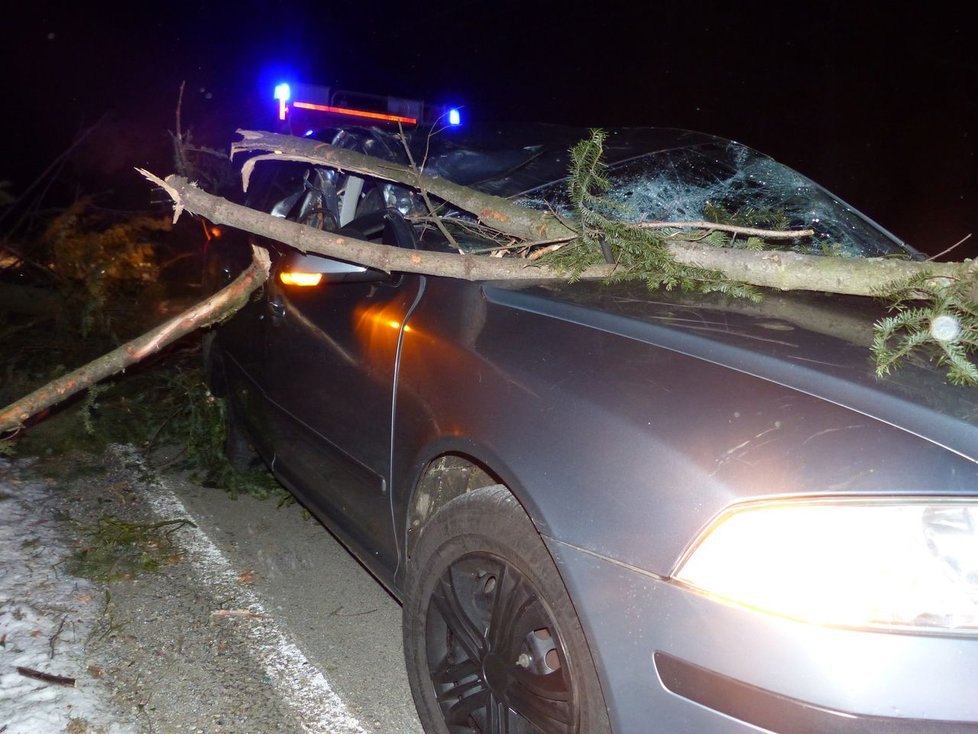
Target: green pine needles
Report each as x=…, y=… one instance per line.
x=937, y=317
x=638, y=254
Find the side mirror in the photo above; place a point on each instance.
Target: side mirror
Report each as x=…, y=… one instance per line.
x=311, y=270
x=383, y=227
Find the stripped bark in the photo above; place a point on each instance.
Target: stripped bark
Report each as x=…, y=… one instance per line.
x=216, y=308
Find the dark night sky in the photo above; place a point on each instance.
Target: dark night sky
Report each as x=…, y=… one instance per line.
x=879, y=104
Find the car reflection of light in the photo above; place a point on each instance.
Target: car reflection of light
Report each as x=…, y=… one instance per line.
x=377, y=328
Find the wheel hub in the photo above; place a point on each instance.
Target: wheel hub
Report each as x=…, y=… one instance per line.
x=495, y=657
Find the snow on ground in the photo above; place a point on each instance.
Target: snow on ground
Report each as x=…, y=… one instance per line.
x=46, y=616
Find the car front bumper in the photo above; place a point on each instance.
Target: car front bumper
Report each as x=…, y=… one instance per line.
x=675, y=661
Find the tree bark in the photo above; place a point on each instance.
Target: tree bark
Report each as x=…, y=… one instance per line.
x=499, y=213
x=779, y=270
x=216, y=308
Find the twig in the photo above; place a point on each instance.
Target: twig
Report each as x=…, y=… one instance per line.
x=424, y=193
x=537, y=254
x=336, y=613
x=46, y=677
x=955, y=245
x=173, y=459
x=771, y=234
x=178, y=143
x=54, y=637
x=159, y=428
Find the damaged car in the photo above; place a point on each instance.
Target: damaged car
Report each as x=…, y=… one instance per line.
x=605, y=508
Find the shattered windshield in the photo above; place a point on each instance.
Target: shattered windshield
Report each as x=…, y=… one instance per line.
x=690, y=183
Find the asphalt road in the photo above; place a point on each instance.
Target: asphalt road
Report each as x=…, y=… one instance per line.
x=343, y=621
x=252, y=618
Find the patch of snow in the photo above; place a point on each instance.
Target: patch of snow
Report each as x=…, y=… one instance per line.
x=945, y=328
x=46, y=616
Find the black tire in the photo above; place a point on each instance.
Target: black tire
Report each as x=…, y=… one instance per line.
x=491, y=639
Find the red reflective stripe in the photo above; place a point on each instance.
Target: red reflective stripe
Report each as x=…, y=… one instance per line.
x=354, y=113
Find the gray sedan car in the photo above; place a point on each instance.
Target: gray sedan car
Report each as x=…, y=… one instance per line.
x=606, y=509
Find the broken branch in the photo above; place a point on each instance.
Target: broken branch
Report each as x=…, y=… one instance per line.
x=216, y=308
x=501, y=214
x=779, y=270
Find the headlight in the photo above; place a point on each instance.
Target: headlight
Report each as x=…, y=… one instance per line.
x=912, y=564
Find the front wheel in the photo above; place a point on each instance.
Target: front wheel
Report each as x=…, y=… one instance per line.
x=491, y=639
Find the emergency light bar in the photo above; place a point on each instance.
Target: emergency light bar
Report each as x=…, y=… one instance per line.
x=314, y=98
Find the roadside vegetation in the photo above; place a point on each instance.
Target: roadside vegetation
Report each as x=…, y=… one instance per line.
x=79, y=277
x=78, y=281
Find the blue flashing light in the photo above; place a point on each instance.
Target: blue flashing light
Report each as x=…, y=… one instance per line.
x=307, y=133
x=454, y=117
x=282, y=92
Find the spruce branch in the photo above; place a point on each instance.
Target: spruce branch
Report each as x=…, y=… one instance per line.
x=637, y=252
x=937, y=317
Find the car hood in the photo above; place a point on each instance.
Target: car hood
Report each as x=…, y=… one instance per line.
x=817, y=344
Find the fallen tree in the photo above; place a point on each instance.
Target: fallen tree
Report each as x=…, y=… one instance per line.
x=769, y=269
x=947, y=318
x=784, y=271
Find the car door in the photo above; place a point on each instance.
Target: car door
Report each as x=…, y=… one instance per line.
x=331, y=356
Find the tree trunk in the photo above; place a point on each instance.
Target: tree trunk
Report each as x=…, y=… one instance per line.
x=216, y=308
x=780, y=270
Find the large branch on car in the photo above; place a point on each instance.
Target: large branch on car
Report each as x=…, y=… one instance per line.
x=218, y=307
x=496, y=212
x=779, y=270
x=499, y=213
